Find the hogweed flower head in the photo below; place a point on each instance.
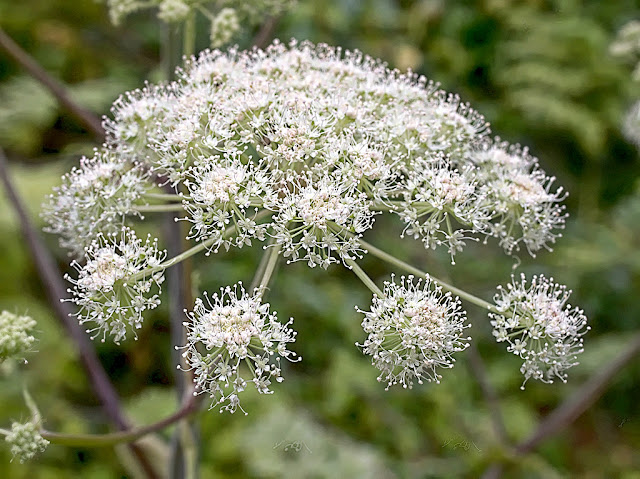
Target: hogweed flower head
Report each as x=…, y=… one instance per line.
x=25, y=440
x=295, y=124
x=539, y=326
x=303, y=144
x=311, y=214
x=435, y=194
x=233, y=339
x=413, y=330
x=116, y=284
x=15, y=336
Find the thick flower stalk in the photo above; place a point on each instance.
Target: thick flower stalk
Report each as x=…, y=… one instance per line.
x=413, y=331
x=15, y=335
x=116, y=285
x=539, y=326
x=233, y=339
x=525, y=207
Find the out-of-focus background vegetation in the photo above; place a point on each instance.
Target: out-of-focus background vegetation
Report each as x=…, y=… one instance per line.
x=542, y=74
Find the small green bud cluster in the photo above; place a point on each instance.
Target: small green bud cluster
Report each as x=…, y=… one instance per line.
x=25, y=441
x=224, y=26
x=15, y=339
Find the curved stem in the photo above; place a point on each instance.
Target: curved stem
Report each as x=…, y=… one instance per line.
x=101, y=440
x=368, y=282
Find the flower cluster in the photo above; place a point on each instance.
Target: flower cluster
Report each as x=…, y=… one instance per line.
x=539, y=326
x=116, y=285
x=313, y=127
x=233, y=339
x=525, y=209
x=413, y=330
x=95, y=198
x=25, y=440
x=15, y=336
x=303, y=145
x=224, y=191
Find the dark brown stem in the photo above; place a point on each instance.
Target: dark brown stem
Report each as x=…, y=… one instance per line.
x=572, y=408
x=88, y=119
x=580, y=401
x=55, y=289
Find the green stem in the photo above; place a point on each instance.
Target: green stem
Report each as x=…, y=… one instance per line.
x=189, y=39
x=4, y=432
x=368, y=282
x=273, y=253
x=164, y=197
x=31, y=404
x=102, y=440
x=158, y=208
x=261, y=267
x=415, y=271
x=191, y=251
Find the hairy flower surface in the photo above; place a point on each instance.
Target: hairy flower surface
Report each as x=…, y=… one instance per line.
x=116, y=284
x=539, y=326
x=224, y=191
x=414, y=330
x=233, y=339
x=525, y=208
x=25, y=441
x=15, y=335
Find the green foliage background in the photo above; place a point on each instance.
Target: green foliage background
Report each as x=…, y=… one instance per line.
x=541, y=73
